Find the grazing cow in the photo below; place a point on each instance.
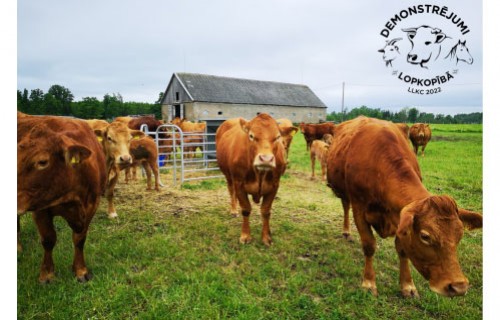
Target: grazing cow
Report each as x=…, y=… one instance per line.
x=313, y=131
x=251, y=156
x=319, y=151
x=115, y=141
x=425, y=44
x=145, y=153
x=420, y=134
x=384, y=187
x=284, y=124
x=60, y=172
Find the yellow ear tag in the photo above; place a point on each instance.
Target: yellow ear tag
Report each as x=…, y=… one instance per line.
x=293, y=133
x=99, y=138
x=74, y=160
x=137, y=137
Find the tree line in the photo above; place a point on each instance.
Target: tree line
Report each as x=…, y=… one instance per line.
x=59, y=101
x=411, y=115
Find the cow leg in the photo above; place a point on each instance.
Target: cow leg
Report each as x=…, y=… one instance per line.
x=323, y=170
x=415, y=149
x=146, y=167
x=369, y=245
x=79, y=220
x=127, y=175
x=346, y=229
x=19, y=246
x=45, y=224
x=156, y=172
x=423, y=148
x=408, y=288
x=110, y=192
x=246, y=209
x=313, y=163
x=265, y=212
x=232, y=194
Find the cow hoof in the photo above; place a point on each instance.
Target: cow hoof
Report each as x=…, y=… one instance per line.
x=267, y=242
x=46, y=278
x=348, y=237
x=410, y=292
x=112, y=215
x=370, y=287
x=84, y=278
x=244, y=239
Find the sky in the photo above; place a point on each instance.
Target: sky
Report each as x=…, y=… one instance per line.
x=133, y=47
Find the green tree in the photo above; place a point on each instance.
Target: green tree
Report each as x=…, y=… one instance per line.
x=413, y=115
x=113, y=106
x=88, y=108
x=37, y=105
x=64, y=97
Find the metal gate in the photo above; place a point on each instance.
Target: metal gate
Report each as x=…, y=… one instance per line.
x=187, y=155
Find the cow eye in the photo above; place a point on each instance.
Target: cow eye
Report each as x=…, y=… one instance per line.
x=427, y=43
x=277, y=138
x=425, y=237
x=109, y=139
x=251, y=137
x=42, y=164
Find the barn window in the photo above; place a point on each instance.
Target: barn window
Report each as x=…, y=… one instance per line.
x=293, y=114
x=177, y=96
x=310, y=114
x=219, y=113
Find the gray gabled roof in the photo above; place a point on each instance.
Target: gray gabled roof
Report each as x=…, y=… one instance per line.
x=208, y=88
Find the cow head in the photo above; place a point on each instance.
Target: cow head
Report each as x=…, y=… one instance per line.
x=265, y=141
x=287, y=134
x=429, y=232
x=44, y=161
x=426, y=44
x=328, y=138
x=115, y=140
x=420, y=129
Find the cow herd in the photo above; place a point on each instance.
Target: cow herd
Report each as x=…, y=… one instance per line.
x=65, y=165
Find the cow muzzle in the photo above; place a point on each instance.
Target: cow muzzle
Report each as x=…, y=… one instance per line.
x=124, y=159
x=264, y=162
x=452, y=289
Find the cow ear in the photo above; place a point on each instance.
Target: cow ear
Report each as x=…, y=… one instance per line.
x=440, y=37
x=405, y=223
x=381, y=50
x=288, y=131
x=243, y=124
x=411, y=32
x=99, y=134
x=74, y=153
x=137, y=134
x=471, y=220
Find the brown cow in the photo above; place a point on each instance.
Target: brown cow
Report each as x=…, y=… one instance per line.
x=327, y=138
x=251, y=156
x=193, y=135
x=384, y=187
x=60, y=172
x=151, y=122
x=313, y=131
x=145, y=153
x=319, y=151
x=420, y=134
x=115, y=141
x=284, y=124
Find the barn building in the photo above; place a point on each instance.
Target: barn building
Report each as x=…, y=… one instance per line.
x=199, y=97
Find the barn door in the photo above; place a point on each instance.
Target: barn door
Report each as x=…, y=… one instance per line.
x=178, y=111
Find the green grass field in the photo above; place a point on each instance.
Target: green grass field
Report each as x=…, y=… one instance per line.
x=175, y=254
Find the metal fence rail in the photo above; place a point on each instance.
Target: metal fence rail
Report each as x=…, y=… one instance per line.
x=188, y=155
